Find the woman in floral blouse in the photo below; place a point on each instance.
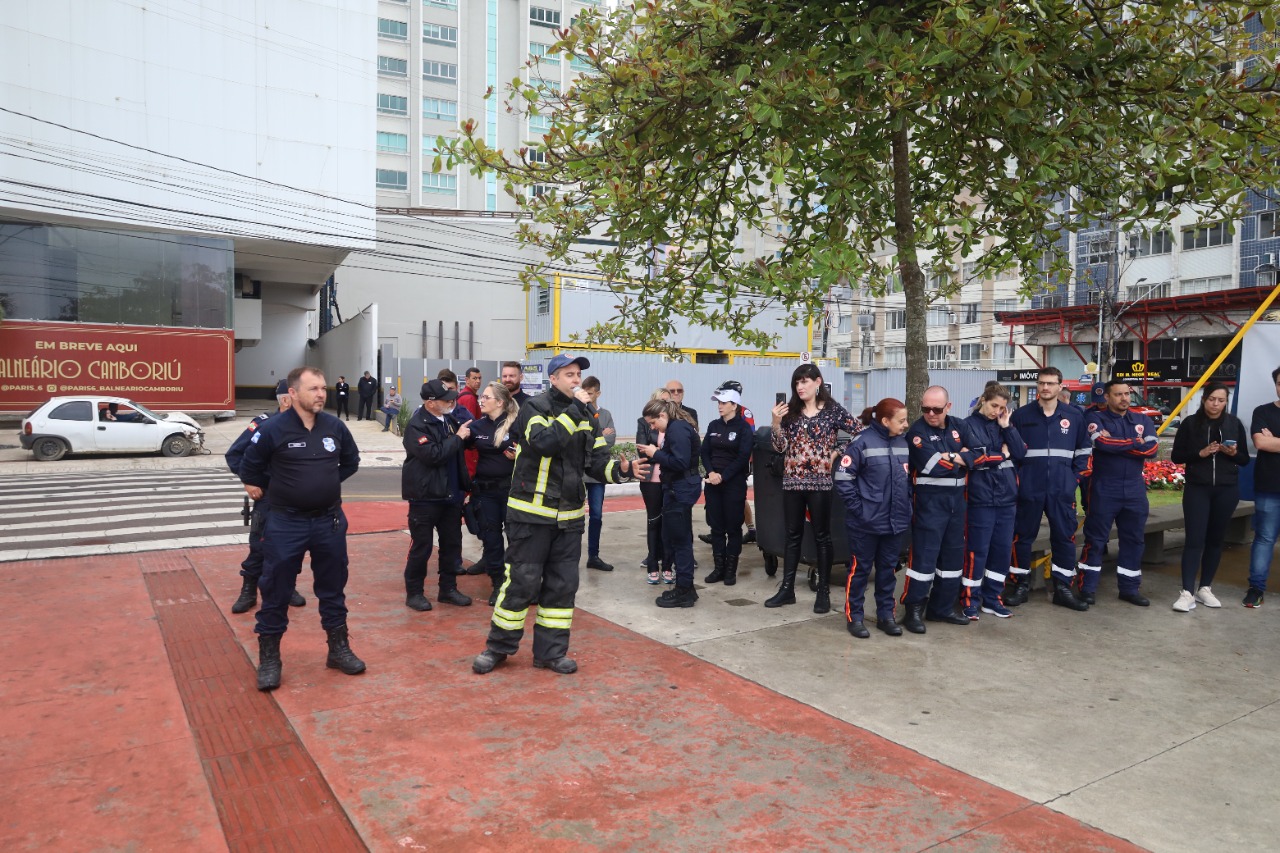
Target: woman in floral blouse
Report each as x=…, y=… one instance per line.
x=805, y=431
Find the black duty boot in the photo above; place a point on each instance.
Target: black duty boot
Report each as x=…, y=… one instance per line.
x=1064, y=597
x=560, y=666
x=704, y=537
x=1016, y=590
x=486, y=661
x=340, y=654
x=953, y=617
x=786, y=593
x=822, y=603
x=417, y=601
x=890, y=626
x=913, y=620
x=296, y=600
x=1135, y=598
x=454, y=597
x=717, y=573
x=268, y=661
x=248, y=596
x=858, y=629
x=730, y=569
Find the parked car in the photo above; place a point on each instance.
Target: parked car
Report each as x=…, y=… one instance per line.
x=1143, y=406
x=97, y=424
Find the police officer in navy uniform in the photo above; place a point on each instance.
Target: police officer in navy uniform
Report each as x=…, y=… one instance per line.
x=1058, y=451
x=305, y=454
x=251, y=568
x=1122, y=443
x=434, y=481
x=939, y=471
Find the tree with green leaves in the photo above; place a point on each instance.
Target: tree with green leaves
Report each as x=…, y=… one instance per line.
x=923, y=132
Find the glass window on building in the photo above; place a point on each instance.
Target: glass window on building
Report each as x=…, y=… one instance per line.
x=1205, y=235
x=439, y=182
x=1268, y=225
x=542, y=53
x=541, y=17
x=895, y=356
x=441, y=4
x=896, y=319
x=441, y=72
x=395, y=105
x=544, y=299
x=105, y=276
x=938, y=315
x=393, y=30
x=969, y=312
x=970, y=353
x=939, y=355
x=392, y=179
x=1145, y=245
x=540, y=124
x=439, y=108
x=393, y=143
x=1003, y=353
x=389, y=66
x=440, y=34
x=1210, y=284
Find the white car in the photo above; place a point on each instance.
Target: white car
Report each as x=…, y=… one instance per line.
x=96, y=424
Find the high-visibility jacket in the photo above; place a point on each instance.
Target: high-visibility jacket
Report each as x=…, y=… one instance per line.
x=557, y=441
x=1058, y=450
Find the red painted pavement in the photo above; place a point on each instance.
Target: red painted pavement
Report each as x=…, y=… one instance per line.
x=646, y=747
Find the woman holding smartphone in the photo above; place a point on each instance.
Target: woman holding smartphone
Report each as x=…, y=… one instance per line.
x=806, y=432
x=681, y=487
x=1211, y=444
x=726, y=452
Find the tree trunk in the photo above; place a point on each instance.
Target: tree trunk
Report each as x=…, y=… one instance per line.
x=913, y=282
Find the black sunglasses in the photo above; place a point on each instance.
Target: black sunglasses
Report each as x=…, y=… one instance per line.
x=933, y=410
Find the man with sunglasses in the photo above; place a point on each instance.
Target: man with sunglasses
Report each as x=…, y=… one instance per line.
x=1058, y=451
x=939, y=469
x=675, y=391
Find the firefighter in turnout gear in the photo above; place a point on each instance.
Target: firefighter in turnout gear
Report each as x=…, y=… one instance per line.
x=558, y=440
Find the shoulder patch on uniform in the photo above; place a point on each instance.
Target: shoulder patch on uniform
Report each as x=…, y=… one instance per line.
x=422, y=439
x=256, y=436
x=1139, y=429
x=846, y=461
x=1093, y=426
x=1065, y=423
x=916, y=440
x=253, y=425
x=955, y=433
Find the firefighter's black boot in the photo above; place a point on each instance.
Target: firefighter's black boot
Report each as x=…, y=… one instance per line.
x=717, y=573
x=269, y=665
x=248, y=596
x=913, y=620
x=340, y=654
x=730, y=569
x=1016, y=590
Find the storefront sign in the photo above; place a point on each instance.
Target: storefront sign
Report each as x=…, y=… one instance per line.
x=1006, y=376
x=165, y=368
x=1155, y=370
x=531, y=380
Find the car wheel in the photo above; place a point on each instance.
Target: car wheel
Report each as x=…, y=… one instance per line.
x=49, y=449
x=175, y=445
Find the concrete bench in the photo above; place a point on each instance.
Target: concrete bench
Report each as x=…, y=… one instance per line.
x=1160, y=520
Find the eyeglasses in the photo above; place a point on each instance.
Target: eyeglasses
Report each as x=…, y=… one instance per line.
x=487, y=397
x=933, y=410
x=675, y=390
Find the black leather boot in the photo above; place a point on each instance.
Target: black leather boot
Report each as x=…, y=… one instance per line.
x=269, y=665
x=717, y=573
x=730, y=569
x=889, y=626
x=248, y=596
x=786, y=593
x=1016, y=590
x=913, y=620
x=340, y=654
x=822, y=603
x=1063, y=596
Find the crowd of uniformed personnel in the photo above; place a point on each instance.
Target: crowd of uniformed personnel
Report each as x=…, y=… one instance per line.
x=971, y=491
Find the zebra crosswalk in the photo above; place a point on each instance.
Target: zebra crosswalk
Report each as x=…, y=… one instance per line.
x=114, y=512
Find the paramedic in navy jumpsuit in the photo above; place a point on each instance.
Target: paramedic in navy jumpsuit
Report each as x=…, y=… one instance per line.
x=305, y=453
x=939, y=470
x=1122, y=443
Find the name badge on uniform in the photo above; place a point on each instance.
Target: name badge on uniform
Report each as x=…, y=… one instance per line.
x=329, y=444
x=732, y=436
x=297, y=444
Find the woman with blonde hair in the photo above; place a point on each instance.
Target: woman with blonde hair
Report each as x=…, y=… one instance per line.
x=491, y=435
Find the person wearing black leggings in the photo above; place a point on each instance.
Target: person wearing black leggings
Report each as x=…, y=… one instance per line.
x=805, y=431
x=1212, y=445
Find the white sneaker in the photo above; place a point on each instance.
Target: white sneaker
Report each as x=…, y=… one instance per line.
x=1186, y=602
x=1206, y=597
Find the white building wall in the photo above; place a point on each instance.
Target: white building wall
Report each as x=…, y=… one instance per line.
x=256, y=92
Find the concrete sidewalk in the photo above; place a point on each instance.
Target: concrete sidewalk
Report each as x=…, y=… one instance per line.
x=137, y=726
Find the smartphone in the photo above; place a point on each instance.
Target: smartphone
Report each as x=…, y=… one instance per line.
x=780, y=398
x=1229, y=443
x=826, y=386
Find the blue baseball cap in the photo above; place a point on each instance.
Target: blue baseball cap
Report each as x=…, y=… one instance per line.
x=563, y=360
x=282, y=388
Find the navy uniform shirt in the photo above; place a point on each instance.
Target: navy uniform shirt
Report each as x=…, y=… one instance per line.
x=726, y=449
x=492, y=464
x=305, y=467
x=235, y=453
x=936, y=455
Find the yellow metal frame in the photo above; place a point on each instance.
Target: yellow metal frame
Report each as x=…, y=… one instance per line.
x=1222, y=356
x=557, y=344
